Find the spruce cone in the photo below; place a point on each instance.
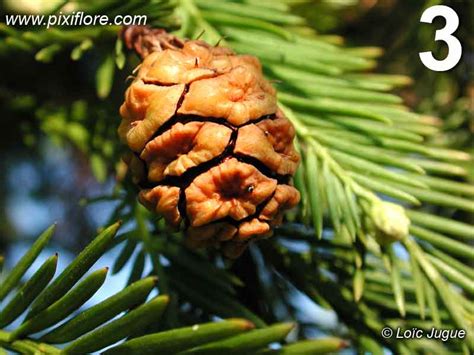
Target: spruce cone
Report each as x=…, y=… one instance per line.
x=211, y=150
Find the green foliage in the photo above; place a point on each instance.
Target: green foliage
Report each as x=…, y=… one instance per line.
x=126, y=315
x=360, y=147
x=25, y=263
x=351, y=154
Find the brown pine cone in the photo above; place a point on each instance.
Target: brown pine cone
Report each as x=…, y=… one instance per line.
x=212, y=152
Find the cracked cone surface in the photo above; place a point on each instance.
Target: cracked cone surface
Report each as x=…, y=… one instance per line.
x=211, y=149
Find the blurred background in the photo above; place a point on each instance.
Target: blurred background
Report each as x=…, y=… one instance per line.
x=43, y=179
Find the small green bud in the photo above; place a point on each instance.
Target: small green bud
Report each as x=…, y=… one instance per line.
x=389, y=222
